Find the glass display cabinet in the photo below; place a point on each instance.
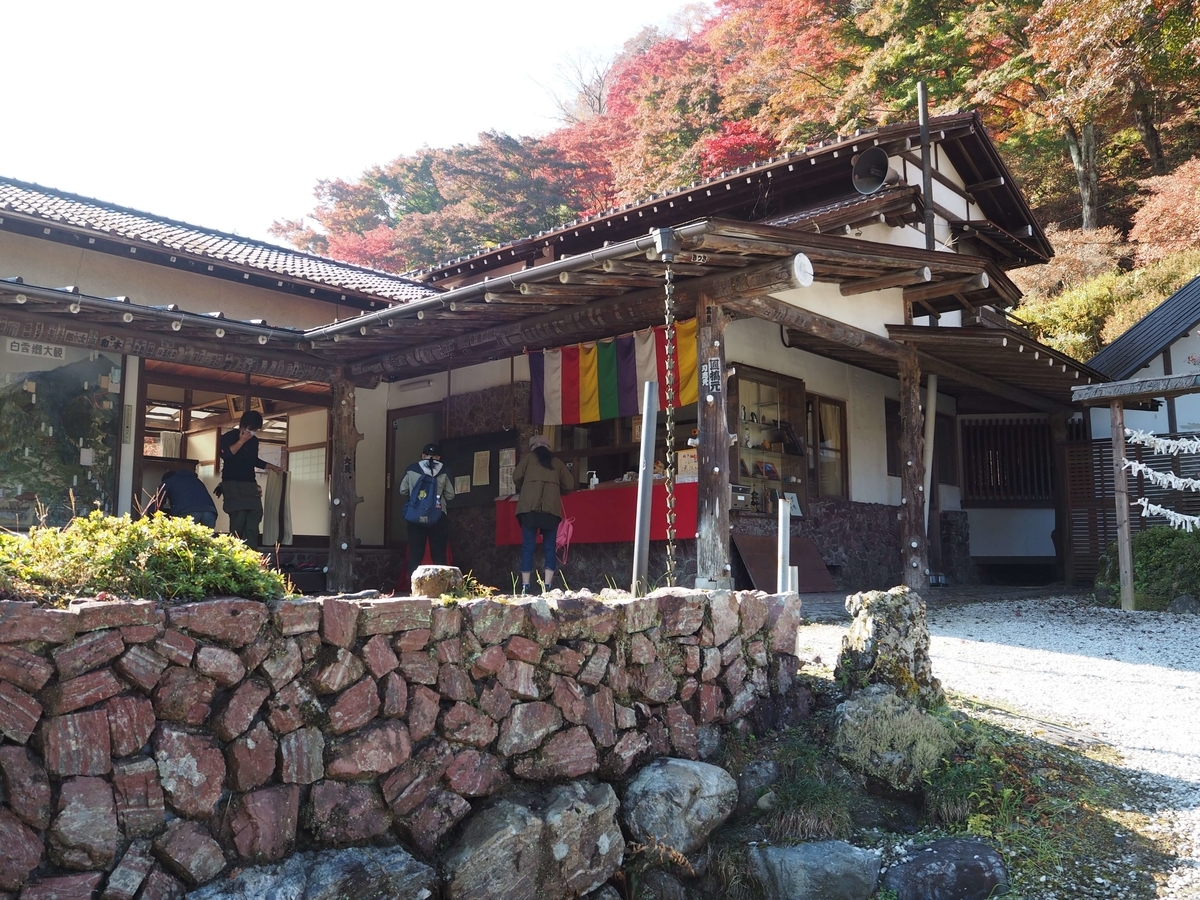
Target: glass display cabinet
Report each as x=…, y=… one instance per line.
x=770, y=428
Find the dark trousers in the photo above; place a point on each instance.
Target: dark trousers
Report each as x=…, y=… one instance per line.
x=437, y=535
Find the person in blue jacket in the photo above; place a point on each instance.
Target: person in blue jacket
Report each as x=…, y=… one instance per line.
x=182, y=493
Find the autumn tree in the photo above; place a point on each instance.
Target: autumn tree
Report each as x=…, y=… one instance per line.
x=423, y=209
x=1169, y=218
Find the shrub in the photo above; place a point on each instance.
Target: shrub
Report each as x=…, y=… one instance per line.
x=1166, y=563
x=157, y=557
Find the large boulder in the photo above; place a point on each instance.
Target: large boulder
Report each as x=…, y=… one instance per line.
x=434, y=581
x=826, y=870
x=677, y=803
x=1184, y=603
x=562, y=843
x=364, y=873
x=888, y=643
x=889, y=738
x=951, y=869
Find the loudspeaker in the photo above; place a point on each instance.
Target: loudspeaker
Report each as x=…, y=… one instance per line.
x=871, y=171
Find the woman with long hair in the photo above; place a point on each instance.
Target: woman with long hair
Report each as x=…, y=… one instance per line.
x=542, y=479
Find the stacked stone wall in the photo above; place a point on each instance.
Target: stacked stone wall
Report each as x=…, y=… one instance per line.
x=148, y=749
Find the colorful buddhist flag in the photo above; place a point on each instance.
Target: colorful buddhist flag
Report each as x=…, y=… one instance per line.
x=603, y=379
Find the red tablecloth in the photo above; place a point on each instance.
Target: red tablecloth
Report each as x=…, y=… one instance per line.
x=608, y=514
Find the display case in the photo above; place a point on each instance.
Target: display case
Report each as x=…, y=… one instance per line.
x=770, y=451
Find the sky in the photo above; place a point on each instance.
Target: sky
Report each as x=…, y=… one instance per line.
x=224, y=114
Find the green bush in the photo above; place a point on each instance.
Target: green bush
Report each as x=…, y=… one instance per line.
x=1166, y=563
x=158, y=557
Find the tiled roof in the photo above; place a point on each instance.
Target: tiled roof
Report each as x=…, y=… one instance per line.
x=84, y=213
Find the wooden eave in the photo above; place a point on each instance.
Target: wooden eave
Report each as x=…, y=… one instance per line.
x=208, y=346
x=617, y=288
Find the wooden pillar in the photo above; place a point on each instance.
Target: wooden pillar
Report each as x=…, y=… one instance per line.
x=343, y=489
x=1121, y=498
x=1065, y=569
x=712, y=454
x=914, y=546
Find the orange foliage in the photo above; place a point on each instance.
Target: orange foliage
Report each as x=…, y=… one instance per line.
x=1169, y=219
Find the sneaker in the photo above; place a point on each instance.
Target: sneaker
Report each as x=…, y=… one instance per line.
x=525, y=590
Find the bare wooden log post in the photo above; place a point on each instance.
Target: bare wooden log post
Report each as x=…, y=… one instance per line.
x=914, y=544
x=343, y=488
x=712, y=456
x=1121, y=497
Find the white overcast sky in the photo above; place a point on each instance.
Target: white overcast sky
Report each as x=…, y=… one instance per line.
x=225, y=113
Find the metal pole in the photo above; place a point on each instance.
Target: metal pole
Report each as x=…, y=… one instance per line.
x=926, y=163
x=641, y=528
x=782, y=571
x=1121, y=497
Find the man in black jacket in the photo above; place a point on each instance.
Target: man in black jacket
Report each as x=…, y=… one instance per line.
x=240, y=493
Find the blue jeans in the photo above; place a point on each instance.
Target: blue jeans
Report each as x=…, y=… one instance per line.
x=529, y=535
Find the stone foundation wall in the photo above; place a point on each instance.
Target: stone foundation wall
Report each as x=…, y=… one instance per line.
x=148, y=749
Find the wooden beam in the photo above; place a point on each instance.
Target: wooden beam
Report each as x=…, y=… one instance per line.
x=623, y=281
x=937, y=289
x=988, y=185
x=221, y=354
x=914, y=543
x=217, y=386
x=626, y=311
x=882, y=282
x=774, y=310
x=343, y=489
x=637, y=267
x=713, y=566
x=1137, y=389
x=590, y=292
x=1121, y=498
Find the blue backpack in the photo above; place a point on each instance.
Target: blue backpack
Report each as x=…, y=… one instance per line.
x=424, y=506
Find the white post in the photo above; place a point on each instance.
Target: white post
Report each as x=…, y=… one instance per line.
x=782, y=579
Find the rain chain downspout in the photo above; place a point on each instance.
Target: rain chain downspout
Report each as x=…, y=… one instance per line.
x=666, y=245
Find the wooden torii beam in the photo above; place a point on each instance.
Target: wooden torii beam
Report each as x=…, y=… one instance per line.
x=1116, y=394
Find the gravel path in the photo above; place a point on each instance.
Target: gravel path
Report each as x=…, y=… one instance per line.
x=1130, y=679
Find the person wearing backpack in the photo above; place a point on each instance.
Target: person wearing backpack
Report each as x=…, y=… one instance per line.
x=541, y=479
x=426, y=488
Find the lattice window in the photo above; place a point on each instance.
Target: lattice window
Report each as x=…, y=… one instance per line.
x=307, y=465
x=1006, y=461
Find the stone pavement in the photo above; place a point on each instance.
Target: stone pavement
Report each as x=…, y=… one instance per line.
x=831, y=605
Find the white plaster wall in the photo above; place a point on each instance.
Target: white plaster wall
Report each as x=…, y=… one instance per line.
x=311, y=427
x=48, y=264
x=870, y=312
x=432, y=388
x=1011, y=532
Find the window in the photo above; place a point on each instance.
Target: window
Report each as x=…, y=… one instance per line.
x=945, y=444
x=1006, y=461
x=826, y=444
x=307, y=465
x=770, y=451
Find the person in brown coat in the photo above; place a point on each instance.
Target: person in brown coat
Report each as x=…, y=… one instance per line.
x=541, y=480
